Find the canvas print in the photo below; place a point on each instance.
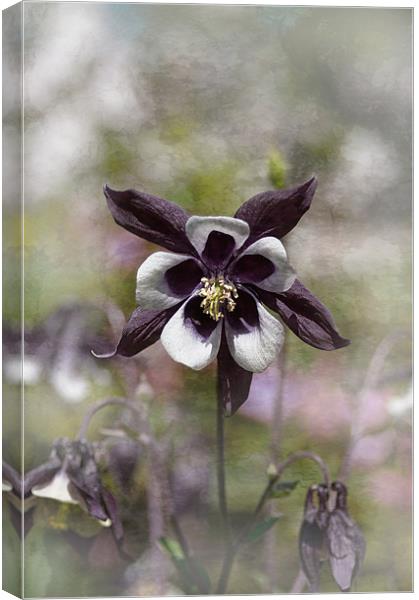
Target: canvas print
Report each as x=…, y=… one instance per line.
x=206, y=299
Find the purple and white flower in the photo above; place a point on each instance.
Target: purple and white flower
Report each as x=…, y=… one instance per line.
x=71, y=475
x=214, y=294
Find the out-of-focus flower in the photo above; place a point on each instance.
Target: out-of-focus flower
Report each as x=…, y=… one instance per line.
x=345, y=541
x=373, y=450
x=208, y=296
x=123, y=456
x=321, y=384
x=72, y=476
x=401, y=406
x=57, y=350
x=312, y=540
x=189, y=476
x=21, y=506
x=329, y=533
x=391, y=488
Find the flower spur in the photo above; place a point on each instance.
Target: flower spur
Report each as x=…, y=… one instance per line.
x=209, y=296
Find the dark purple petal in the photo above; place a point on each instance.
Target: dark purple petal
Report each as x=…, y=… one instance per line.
x=276, y=212
x=233, y=381
x=218, y=249
x=91, y=503
x=142, y=330
x=245, y=316
x=194, y=314
x=13, y=477
x=252, y=268
x=151, y=218
x=184, y=277
x=345, y=541
x=112, y=510
x=18, y=519
x=311, y=540
x=85, y=482
x=124, y=456
x=306, y=316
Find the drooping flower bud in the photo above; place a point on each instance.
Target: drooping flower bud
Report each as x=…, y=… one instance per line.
x=312, y=534
x=72, y=476
x=345, y=541
x=328, y=533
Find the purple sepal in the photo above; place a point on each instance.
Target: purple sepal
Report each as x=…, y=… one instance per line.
x=276, y=212
x=151, y=218
x=13, y=477
x=233, y=381
x=112, y=510
x=306, y=316
x=345, y=541
x=142, y=330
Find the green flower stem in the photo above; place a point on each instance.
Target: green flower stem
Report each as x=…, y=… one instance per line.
x=233, y=549
x=102, y=404
x=222, y=496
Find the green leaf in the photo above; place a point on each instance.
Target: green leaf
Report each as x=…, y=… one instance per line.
x=283, y=488
x=261, y=528
x=194, y=578
x=199, y=577
x=172, y=547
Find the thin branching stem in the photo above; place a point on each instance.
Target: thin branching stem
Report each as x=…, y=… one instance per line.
x=222, y=494
x=102, y=404
x=235, y=546
x=371, y=380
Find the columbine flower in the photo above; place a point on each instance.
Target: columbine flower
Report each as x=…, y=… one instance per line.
x=208, y=296
x=71, y=475
x=312, y=544
x=345, y=541
x=329, y=533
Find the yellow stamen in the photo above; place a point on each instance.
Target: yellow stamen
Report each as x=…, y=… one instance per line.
x=217, y=293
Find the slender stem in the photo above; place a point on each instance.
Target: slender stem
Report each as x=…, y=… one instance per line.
x=299, y=583
x=234, y=548
x=277, y=413
x=98, y=406
x=222, y=496
x=270, y=546
x=226, y=570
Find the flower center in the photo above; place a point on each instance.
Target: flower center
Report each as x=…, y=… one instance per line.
x=216, y=294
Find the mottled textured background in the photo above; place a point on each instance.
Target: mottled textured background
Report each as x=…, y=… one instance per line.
x=206, y=106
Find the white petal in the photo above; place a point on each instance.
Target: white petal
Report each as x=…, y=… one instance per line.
x=198, y=229
x=257, y=349
x=284, y=275
x=185, y=345
x=6, y=487
x=57, y=489
x=152, y=288
x=106, y=523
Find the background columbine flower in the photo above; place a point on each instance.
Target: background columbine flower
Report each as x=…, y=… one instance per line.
x=345, y=541
x=71, y=475
x=330, y=534
x=208, y=296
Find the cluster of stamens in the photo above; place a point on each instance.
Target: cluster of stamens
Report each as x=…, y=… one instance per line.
x=217, y=294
